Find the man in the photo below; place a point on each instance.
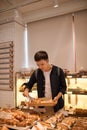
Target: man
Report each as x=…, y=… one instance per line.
x=50, y=80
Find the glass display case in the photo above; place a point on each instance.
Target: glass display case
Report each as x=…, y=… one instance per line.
x=22, y=77
x=76, y=94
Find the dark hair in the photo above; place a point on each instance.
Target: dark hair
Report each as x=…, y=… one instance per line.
x=41, y=55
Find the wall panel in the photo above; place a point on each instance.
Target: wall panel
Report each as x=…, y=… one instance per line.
x=81, y=39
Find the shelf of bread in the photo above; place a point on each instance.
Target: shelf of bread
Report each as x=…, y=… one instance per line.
x=80, y=112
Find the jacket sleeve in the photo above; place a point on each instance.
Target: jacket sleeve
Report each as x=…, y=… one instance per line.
x=31, y=81
x=62, y=82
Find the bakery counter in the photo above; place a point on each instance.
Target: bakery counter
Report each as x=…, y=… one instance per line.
x=21, y=120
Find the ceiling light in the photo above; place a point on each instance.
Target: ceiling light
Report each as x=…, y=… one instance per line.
x=56, y=3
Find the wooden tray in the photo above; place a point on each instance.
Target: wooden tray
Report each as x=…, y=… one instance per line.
x=41, y=102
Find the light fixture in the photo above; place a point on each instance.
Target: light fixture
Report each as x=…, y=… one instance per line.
x=56, y=3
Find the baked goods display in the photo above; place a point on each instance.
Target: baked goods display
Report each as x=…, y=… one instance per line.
x=52, y=123
x=49, y=123
x=65, y=123
x=17, y=119
x=69, y=122
x=81, y=124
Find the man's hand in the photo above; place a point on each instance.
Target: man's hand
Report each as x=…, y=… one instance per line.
x=26, y=92
x=57, y=97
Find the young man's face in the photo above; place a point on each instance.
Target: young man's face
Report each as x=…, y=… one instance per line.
x=43, y=64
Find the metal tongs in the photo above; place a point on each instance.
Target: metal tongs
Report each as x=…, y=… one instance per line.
x=29, y=98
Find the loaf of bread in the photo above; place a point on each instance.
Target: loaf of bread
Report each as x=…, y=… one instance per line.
x=61, y=127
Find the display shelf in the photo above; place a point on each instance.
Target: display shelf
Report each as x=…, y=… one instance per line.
x=76, y=94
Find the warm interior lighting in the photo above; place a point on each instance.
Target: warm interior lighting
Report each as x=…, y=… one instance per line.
x=56, y=3
x=26, y=47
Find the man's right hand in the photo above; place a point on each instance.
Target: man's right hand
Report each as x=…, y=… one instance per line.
x=26, y=92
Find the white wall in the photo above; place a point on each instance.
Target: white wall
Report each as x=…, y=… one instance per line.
x=7, y=34
x=12, y=32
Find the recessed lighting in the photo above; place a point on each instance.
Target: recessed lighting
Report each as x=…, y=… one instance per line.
x=56, y=3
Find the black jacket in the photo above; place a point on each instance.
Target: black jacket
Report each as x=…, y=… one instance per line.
x=58, y=84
